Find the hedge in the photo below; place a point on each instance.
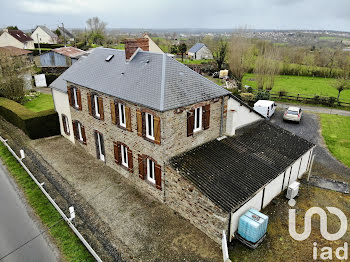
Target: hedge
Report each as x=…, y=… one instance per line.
x=34, y=124
x=51, y=46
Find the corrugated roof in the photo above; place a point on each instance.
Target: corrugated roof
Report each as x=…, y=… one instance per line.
x=231, y=171
x=70, y=51
x=150, y=79
x=196, y=47
x=20, y=36
x=14, y=51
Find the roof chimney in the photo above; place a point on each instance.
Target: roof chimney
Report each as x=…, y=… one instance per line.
x=132, y=44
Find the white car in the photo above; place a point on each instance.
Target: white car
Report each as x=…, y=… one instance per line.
x=293, y=114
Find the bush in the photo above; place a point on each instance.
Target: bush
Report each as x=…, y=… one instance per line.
x=51, y=46
x=262, y=95
x=34, y=124
x=247, y=97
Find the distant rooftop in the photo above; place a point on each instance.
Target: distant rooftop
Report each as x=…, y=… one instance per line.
x=196, y=47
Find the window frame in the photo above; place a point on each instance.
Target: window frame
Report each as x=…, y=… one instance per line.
x=96, y=112
x=102, y=157
x=151, y=167
x=148, y=128
x=80, y=133
x=65, y=122
x=75, y=97
x=124, y=155
x=196, y=118
x=122, y=114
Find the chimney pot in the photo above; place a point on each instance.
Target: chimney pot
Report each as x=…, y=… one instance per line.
x=132, y=44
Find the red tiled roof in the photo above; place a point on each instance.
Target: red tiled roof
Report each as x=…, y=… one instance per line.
x=69, y=51
x=20, y=36
x=14, y=51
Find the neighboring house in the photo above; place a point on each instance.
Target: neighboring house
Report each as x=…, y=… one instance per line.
x=153, y=47
x=199, y=51
x=17, y=39
x=163, y=127
x=61, y=57
x=43, y=35
x=66, y=35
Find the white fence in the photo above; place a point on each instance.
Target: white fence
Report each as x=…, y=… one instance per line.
x=82, y=239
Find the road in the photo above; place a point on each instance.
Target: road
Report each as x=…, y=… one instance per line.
x=315, y=109
x=18, y=225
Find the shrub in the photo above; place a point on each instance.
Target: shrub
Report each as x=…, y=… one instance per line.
x=247, y=97
x=262, y=95
x=34, y=124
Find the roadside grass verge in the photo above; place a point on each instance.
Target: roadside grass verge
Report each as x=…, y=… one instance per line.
x=304, y=85
x=336, y=133
x=40, y=103
x=68, y=243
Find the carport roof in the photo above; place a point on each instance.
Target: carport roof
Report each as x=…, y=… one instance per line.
x=231, y=171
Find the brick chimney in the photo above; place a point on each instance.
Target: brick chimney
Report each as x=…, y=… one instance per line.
x=131, y=45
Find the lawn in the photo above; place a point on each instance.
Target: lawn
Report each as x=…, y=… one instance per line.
x=193, y=62
x=40, y=103
x=303, y=85
x=336, y=133
x=68, y=243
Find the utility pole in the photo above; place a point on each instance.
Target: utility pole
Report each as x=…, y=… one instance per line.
x=64, y=35
x=37, y=36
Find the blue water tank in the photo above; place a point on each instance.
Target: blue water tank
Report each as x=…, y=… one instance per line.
x=252, y=225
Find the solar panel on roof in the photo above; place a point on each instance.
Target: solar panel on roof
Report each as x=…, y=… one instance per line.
x=109, y=58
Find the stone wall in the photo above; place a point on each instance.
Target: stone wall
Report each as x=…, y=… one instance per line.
x=190, y=203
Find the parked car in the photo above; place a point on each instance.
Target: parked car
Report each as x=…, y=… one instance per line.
x=293, y=114
x=265, y=107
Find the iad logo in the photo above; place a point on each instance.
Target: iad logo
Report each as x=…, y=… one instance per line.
x=326, y=251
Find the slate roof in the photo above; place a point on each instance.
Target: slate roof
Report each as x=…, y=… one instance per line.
x=231, y=171
x=20, y=36
x=196, y=47
x=70, y=51
x=153, y=80
x=47, y=31
x=66, y=32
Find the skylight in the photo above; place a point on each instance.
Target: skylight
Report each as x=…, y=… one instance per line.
x=109, y=58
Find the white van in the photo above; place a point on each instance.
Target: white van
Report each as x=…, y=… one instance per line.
x=265, y=107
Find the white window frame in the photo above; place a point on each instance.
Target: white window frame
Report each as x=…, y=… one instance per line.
x=149, y=129
x=101, y=155
x=124, y=153
x=79, y=132
x=151, y=170
x=75, y=97
x=97, y=113
x=66, y=123
x=122, y=115
x=198, y=126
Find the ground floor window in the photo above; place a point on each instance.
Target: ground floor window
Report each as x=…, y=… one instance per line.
x=100, y=150
x=65, y=124
x=124, y=155
x=150, y=171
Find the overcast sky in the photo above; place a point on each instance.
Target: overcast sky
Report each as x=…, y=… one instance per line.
x=252, y=14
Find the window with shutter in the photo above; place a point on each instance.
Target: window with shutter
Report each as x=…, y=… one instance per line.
x=99, y=145
x=100, y=108
x=141, y=166
x=157, y=130
x=74, y=97
x=130, y=161
x=69, y=92
x=206, y=116
x=139, y=123
x=151, y=171
x=122, y=117
x=158, y=176
x=198, y=119
x=89, y=98
x=96, y=110
x=128, y=118
x=65, y=124
x=124, y=153
x=75, y=130
x=83, y=134
x=149, y=126
x=78, y=95
x=116, y=153
x=113, y=116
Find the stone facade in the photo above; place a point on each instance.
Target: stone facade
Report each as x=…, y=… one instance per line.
x=182, y=196
x=174, y=138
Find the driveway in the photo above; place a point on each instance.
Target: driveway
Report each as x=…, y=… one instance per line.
x=310, y=129
x=18, y=225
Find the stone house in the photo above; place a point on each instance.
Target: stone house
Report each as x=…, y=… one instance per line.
x=16, y=38
x=43, y=35
x=199, y=51
x=152, y=118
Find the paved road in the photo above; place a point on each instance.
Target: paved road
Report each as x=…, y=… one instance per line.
x=309, y=128
x=17, y=226
x=315, y=109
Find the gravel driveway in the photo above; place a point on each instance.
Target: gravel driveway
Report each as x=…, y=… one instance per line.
x=310, y=129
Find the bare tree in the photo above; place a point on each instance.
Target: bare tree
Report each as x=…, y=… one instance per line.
x=240, y=57
x=97, y=30
x=267, y=66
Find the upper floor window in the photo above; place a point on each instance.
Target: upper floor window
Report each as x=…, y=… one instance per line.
x=122, y=118
x=121, y=115
x=95, y=105
x=198, y=119
x=74, y=96
x=148, y=126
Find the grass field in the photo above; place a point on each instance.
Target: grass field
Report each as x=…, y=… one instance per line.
x=40, y=103
x=68, y=243
x=193, y=62
x=303, y=85
x=336, y=133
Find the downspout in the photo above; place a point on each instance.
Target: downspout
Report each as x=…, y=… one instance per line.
x=222, y=116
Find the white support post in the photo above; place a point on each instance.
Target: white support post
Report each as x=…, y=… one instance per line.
x=310, y=168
